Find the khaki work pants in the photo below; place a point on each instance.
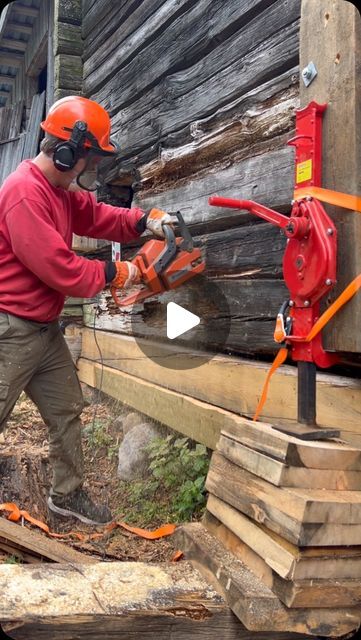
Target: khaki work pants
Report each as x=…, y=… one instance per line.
x=35, y=358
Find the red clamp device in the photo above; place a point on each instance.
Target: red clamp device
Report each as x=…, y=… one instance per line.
x=309, y=262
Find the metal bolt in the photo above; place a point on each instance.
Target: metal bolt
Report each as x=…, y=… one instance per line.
x=309, y=198
x=291, y=303
x=309, y=73
x=306, y=303
x=328, y=281
x=329, y=231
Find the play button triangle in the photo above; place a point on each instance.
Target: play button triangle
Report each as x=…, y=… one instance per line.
x=179, y=320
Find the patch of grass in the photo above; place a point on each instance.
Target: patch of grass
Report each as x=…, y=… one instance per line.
x=12, y=560
x=175, y=489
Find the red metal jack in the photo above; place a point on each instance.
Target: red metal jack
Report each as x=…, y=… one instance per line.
x=309, y=262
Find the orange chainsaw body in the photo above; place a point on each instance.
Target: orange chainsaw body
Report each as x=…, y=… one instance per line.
x=165, y=264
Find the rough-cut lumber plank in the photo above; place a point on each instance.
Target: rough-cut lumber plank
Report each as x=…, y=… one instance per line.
x=113, y=600
x=292, y=451
x=235, y=384
x=285, y=559
x=41, y=545
x=195, y=419
x=304, y=517
x=283, y=475
x=330, y=36
x=252, y=602
x=296, y=593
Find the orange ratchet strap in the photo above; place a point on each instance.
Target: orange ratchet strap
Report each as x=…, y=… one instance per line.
x=15, y=514
x=347, y=202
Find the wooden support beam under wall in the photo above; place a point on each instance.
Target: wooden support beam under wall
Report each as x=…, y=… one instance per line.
x=330, y=37
x=228, y=382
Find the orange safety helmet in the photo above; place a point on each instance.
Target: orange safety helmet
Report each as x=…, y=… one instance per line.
x=64, y=113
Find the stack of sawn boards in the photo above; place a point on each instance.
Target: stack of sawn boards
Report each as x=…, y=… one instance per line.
x=290, y=510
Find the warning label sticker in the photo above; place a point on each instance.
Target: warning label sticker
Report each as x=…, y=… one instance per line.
x=304, y=171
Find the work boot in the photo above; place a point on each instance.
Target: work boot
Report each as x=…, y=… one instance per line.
x=79, y=505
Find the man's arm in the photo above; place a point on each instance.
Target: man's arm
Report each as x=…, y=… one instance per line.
x=98, y=220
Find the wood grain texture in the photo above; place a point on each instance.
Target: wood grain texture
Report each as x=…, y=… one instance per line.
x=284, y=558
x=235, y=384
x=252, y=601
x=330, y=36
x=304, y=517
x=281, y=475
x=113, y=600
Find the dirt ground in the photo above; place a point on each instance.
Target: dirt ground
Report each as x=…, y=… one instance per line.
x=26, y=438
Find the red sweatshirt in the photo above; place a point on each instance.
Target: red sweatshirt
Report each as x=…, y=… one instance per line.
x=37, y=221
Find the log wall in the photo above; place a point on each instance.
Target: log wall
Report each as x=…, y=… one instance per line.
x=202, y=98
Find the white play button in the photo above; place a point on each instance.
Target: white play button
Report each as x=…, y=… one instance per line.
x=179, y=320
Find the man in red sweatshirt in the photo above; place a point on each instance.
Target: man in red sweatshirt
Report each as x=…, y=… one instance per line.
x=40, y=209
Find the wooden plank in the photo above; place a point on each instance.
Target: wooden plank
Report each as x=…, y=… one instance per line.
x=282, y=475
x=235, y=384
x=330, y=36
x=20, y=27
x=291, y=451
x=113, y=600
x=33, y=128
x=285, y=559
x=15, y=45
x=23, y=10
x=39, y=544
x=304, y=517
x=11, y=59
x=297, y=593
x=252, y=602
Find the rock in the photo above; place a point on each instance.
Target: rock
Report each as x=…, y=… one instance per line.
x=133, y=459
x=130, y=421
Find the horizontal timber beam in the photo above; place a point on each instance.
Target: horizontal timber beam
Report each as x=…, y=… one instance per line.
x=227, y=382
x=15, y=45
x=115, y=600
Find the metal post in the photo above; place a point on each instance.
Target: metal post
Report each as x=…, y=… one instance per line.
x=306, y=396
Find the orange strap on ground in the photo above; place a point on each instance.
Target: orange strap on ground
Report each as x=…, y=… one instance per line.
x=15, y=514
x=331, y=197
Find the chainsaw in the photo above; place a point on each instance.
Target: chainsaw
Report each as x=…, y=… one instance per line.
x=164, y=264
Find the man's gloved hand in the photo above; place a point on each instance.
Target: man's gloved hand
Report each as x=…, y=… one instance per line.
x=155, y=219
x=126, y=275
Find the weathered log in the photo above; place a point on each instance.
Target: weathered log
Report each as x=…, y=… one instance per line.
x=67, y=38
x=68, y=72
x=266, y=178
x=113, y=600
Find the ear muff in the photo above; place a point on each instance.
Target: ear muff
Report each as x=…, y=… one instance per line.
x=67, y=153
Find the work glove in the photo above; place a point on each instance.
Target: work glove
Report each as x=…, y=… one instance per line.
x=155, y=219
x=126, y=275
